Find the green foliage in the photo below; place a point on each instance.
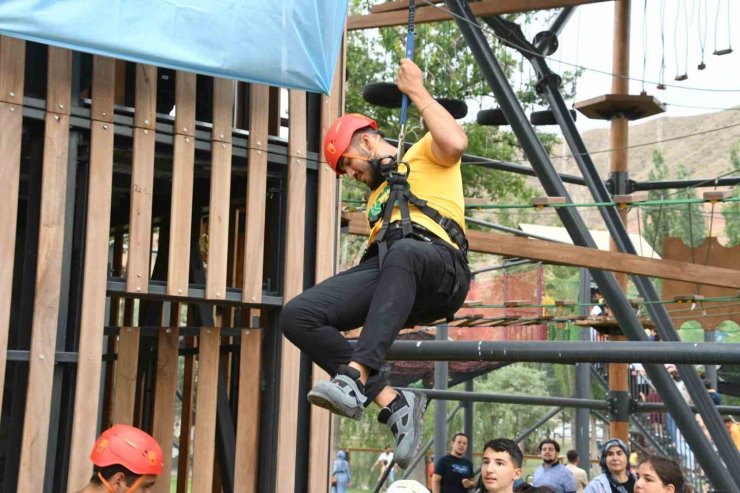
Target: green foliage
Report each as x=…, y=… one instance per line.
x=684, y=221
x=731, y=211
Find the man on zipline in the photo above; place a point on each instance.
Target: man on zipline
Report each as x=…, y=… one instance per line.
x=413, y=272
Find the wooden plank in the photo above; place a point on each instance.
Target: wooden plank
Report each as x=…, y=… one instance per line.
x=140, y=220
x=185, y=103
x=11, y=123
x=218, y=220
x=59, y=96
x=186, y=416
x=434, y=14
x=46, y=298
x=164, y=398
x=259, y=100
x=178, y=269
x=248, y=412
x=127, y=364
x=12, y=69
x=326, y=241
x=205, y=408
x=103, y=89
x=95, y=270
x=293, y=283
x=591, y=258
x=223, y=109
x=146, y=97
x=181, y=216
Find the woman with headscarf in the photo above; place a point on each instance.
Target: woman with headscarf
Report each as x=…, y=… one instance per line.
x=615, y=467
x=341, y=478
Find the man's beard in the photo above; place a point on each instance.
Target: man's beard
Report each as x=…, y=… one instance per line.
x=375, y=179
x=549, y=461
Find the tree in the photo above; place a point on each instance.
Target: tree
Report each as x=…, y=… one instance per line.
x=685, y=221
x=731, y=211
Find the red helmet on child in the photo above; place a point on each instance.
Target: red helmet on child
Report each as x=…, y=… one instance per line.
x=129, y=447
x=340, y=134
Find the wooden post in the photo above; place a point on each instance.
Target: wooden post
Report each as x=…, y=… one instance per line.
x=248, y=414
x=326, y=234
x=618, y=163
x=218, y=212
x=254, y=247
x=97, y=240
x=12, y=56
x=164, y=398
x=142, y=180
x=178, y=269
x=127, y=365
x=48, y=275
x=205, y=410
x=114, y=314
x=294, y=251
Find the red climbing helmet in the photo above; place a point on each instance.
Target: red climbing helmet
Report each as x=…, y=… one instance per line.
x=129, y=447
x=339, y=135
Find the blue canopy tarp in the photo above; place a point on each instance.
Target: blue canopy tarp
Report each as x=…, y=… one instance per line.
x=285, y=43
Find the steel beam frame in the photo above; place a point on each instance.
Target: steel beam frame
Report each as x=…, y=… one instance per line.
x=565, y=352
x=720, y=474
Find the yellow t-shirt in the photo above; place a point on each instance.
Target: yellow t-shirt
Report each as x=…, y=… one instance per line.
x=440, y=185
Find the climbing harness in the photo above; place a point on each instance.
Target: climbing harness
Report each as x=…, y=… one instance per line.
x=396, y=175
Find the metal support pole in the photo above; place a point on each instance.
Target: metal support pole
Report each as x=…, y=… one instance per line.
x=441, y=376
x=710, y=371
x=583, y=378
x=468, y=421
x=571, y=219
x=564, y=352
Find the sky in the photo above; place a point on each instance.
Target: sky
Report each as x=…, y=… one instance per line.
x=588, y=37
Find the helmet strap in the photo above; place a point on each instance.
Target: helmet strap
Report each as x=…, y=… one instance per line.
x=133, y=487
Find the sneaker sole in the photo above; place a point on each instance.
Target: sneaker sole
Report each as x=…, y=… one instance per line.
x=419, y=408
x=325, y=401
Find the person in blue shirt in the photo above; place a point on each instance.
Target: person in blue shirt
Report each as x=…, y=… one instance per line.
x=341, y=478
x=552, y=473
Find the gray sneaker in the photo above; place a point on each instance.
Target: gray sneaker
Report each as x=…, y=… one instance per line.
x=342, y=395
x=406, y=420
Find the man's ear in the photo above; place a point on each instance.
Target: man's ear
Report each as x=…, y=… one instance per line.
x=118, y=480
x=517, y=473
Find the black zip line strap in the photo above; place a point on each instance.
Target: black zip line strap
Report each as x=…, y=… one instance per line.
x=401, y=195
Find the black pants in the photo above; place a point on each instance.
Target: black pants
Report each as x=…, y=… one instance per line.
x=420, y=282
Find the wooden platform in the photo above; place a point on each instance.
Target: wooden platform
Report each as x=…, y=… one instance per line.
x=631, y=106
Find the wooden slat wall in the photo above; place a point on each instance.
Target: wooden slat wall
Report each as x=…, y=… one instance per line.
x=142, y=180
x=293, y=285
x=48, y=275
x=127, y=365
x=178, y=269
x=248, y=412
x=259, y=102
x=205, y=410
x=12, y=56
x=218, y=213
x=164, y=397
x=95, y=272
x=326, y=234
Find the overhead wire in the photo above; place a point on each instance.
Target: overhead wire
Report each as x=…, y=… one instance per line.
x=571, y=64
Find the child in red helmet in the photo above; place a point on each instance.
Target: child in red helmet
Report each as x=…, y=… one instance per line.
x=126, y=460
